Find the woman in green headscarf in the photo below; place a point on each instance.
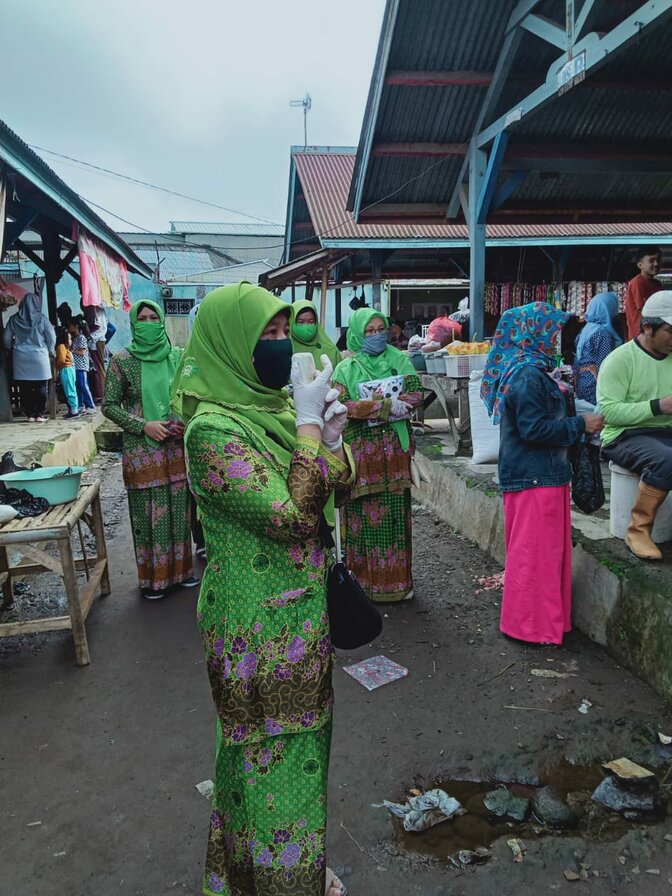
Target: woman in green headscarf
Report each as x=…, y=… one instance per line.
x=308, y=336
x=261, y=469
x=137, y=398
x=378, y=522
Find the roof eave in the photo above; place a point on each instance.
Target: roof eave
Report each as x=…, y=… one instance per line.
x=365, y=144
x=18, y=156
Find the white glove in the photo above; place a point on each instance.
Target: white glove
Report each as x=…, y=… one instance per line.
x=335, y=418
x=399, y=408
x=310, y=397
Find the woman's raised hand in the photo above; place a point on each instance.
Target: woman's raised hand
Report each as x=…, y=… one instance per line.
x=335, y=418
x=310, y=397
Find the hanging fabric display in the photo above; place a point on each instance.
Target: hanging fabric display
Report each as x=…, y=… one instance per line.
x=104, y=276
x=572, y=296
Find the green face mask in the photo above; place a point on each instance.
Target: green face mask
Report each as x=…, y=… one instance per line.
x=305, y=332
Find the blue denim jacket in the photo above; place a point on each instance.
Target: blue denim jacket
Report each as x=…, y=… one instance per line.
x=535, y=433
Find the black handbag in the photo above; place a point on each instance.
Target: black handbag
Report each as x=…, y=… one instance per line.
x=353, y=619
x=587, y=484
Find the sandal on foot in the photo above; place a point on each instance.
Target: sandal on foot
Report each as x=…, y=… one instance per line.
x=333, y=883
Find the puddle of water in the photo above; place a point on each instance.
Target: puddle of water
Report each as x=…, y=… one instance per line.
x=480, y=828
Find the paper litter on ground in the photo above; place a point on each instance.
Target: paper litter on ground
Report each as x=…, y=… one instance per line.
x=206, y=788
x=375, y=672
x=424, y=811
x=627, y=770
x=550, y=673
x=490, y=583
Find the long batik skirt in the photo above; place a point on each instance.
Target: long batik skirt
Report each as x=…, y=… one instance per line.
x=537, y=597
x=269, y=817
x=160, y=520
x=378, y=538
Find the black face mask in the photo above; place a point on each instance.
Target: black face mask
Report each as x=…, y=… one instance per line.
x=273, y=362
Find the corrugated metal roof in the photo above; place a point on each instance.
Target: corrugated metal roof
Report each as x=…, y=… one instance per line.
x=626, y=104
x=234, y=273
x=176, y=262
x=227, y=229
x=325, y=180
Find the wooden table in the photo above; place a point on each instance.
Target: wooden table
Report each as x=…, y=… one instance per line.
x=443, y=388
x=57, y=524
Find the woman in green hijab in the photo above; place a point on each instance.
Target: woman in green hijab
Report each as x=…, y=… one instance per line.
x=308, y=336
x=378, y=522
x=261, y=469
x=137, y=398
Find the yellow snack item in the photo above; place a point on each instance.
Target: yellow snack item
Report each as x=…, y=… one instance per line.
x=468, y=348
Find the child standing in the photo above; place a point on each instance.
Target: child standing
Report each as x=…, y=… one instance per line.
x=65, y=365
x=80, y=350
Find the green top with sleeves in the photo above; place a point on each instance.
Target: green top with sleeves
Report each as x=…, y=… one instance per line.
x=629, y=386
x=144, y=465
x=262, y=608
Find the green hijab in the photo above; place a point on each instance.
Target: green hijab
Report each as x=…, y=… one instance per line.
x=320, y=344
x=216, y=374
x=151, y=346
x=361, y=368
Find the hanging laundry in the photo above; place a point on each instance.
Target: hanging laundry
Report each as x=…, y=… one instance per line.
x=104, y=275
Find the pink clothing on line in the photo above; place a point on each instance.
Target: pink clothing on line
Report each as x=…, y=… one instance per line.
x=104, y=275
x=537, y=597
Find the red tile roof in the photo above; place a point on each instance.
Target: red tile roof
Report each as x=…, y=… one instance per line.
x=325, y=178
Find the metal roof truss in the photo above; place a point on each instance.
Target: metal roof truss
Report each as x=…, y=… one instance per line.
x=581, y=56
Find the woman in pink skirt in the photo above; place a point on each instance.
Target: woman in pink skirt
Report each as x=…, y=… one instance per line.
x=534, y=471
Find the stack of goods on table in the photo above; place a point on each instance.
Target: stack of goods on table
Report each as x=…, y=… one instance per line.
x=461, y=358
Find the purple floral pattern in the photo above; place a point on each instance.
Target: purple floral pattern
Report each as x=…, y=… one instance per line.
x=262, y=616
x=282, y=851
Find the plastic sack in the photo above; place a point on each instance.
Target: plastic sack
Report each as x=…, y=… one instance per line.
x=587, y=484
x=484, y=433
x=7, y=513
x=424, y=811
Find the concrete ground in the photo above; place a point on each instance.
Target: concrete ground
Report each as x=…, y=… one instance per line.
x=98, y=765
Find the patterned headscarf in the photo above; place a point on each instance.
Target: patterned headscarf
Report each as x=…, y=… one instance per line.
x=525, y=335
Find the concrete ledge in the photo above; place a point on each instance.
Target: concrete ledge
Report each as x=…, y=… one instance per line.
x=470, y=502
x=621, y=603
x=54, y=443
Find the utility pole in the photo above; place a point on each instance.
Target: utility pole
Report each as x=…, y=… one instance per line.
x=305, y=104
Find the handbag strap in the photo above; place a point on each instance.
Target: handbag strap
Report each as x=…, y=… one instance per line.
x=337, y=535
x=332, y=539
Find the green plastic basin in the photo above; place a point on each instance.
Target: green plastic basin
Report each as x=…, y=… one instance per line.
x=46, y=483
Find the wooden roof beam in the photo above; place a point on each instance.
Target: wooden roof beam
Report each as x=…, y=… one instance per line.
x=438, y=79
x=418, y=212
x=418, y=149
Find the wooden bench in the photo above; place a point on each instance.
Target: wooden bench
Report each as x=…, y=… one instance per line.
x=57, y=524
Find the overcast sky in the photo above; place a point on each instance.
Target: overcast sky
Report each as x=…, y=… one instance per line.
x=192, y=96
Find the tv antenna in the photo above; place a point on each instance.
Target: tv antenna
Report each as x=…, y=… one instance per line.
x=304, y=104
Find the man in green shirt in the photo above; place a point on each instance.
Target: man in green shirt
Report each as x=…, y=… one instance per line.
x=634, y=393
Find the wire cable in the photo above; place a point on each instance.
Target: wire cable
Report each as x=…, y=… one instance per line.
x=327, y=232
x=222, y=249
x=144, y=183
